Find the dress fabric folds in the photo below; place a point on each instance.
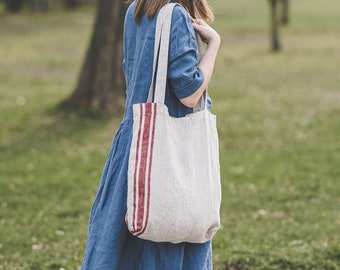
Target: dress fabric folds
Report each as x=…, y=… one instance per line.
x=109, y=245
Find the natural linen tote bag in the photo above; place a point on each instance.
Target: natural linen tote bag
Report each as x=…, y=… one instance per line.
x=174, y=191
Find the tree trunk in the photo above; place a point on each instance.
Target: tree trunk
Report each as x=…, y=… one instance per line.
x=101, y=84
x=285, y=12
x=275, y=43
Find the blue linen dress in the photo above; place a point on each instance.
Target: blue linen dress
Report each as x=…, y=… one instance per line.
x=109, y=245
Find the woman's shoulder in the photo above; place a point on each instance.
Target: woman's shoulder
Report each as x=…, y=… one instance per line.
x=181, y=20
x=179, y=13
x=129, y=22
x=131, y=9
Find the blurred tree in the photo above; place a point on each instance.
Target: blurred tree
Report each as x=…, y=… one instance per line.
x=101, y=84
x=275, y=43
x=43, y=5
x=14, y=5
x=71, y=4
x=40, y=5
x=275, y=23
x=285, y=12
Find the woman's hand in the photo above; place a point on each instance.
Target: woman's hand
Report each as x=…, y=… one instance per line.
x=207, y=33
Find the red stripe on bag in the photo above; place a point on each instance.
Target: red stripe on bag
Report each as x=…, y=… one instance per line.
x=143, y=166
x=150, y=165
x=136, y=166
x=145, y=144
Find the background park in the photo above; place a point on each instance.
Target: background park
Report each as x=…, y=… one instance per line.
x=278, y=122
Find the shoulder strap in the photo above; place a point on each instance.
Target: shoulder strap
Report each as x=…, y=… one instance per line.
x=161, y=52
x=160, y=62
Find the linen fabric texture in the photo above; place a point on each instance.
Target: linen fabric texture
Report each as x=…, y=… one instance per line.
x=110, y=246
x=174, y=191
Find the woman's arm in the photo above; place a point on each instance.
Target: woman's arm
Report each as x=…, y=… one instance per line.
x=206, y=64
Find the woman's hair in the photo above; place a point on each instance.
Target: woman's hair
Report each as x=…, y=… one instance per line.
x=196, y=8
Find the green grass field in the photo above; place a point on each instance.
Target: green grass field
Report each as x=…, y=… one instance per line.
x=279, y=127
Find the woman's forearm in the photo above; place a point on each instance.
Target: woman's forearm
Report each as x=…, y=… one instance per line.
x=207, y=62
x=206, y=65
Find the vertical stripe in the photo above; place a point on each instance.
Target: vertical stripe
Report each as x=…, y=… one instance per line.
x=150, y=166
x=142, y=173
x=136, y=164
x=145, y=183
x=143, y=166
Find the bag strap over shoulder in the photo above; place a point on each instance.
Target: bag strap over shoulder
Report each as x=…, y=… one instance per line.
x=161, y=53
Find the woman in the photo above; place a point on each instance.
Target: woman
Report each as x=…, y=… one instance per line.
x=110, y=245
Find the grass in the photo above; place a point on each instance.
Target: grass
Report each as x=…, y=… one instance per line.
x=278, y=121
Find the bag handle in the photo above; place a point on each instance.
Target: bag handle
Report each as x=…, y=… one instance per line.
x=161, y=53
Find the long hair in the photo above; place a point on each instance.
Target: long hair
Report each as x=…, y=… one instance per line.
x=198, y=9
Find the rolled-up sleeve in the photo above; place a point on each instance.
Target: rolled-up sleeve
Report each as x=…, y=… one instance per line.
x=184, y=76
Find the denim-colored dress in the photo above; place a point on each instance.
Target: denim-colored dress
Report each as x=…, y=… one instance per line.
x=110, y=246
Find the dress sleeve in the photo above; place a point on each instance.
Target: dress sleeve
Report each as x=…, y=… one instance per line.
x=184, y=76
